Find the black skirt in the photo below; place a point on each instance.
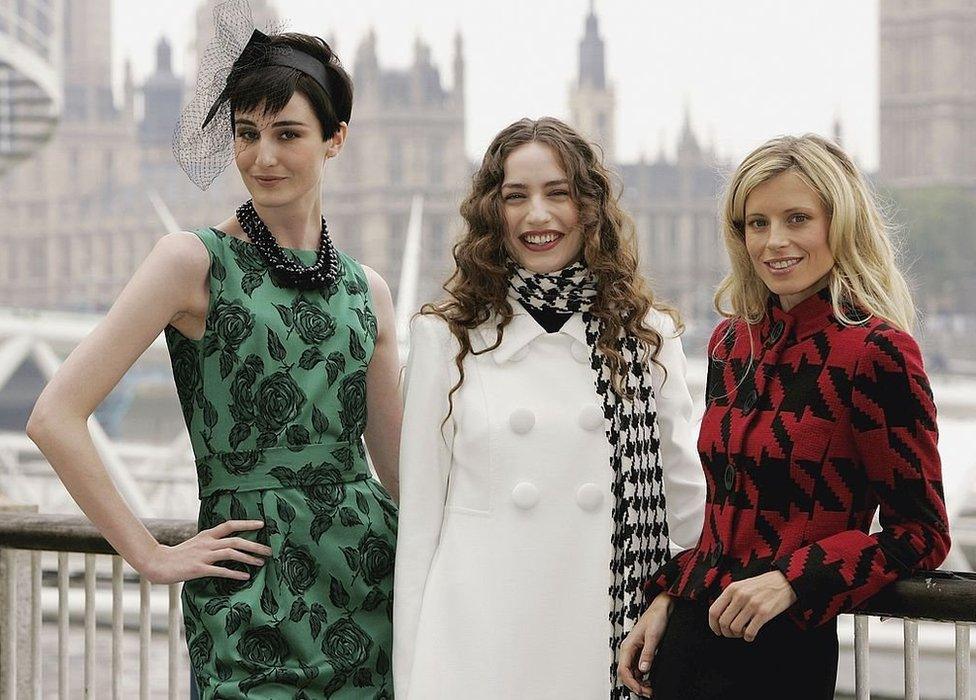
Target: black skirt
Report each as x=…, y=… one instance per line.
x=693, y=663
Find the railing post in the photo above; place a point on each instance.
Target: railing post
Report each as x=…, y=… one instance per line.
x=962, y=661
x=24, y=538
x=862, y=674
x=16, y=616
x=9, y=630
x=911, y=659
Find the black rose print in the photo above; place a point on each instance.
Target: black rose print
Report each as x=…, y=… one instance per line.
x=277, y=402
x=346, y=645
x=313, y=325
x=297, y=568
x=376, y=557
x=352, y=398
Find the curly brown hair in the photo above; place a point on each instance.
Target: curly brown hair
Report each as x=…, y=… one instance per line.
x=478, y=288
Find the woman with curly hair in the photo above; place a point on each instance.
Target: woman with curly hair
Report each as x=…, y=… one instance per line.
x=546, y=418
x=284, y=355
x=818, y=414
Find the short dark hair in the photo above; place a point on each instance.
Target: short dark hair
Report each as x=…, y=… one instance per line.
x=271, y=87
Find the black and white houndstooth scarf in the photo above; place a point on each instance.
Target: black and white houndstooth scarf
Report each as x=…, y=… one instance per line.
x=640, y=530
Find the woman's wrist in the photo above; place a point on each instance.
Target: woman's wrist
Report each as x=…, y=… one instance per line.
x=145, y=560
x=663, y=600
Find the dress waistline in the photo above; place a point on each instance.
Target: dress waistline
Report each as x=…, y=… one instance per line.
x=322, y=464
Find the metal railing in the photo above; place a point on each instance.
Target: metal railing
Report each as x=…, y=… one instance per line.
x=938, y=596
x=23, y=540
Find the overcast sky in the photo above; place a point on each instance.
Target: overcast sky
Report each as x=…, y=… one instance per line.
x=746, y=69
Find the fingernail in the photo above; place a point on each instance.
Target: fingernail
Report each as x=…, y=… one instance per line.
x=644, y=665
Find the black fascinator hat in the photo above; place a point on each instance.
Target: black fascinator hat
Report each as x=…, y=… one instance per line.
x=243, y=69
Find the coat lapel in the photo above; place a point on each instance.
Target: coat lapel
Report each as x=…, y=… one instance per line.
x=575, y=328
x=521, y=331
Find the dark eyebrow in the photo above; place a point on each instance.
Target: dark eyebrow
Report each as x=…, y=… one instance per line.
x=248, y=122
x=519, y=185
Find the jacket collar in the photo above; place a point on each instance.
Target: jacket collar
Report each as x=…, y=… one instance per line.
x=521, y=331
x=813, y=314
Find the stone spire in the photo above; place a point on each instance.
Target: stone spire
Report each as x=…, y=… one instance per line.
x=162, y=98
x=164, y=57
x=688, y=146
x=128, y=91
x=592, y=70
x=591, y=99
x=459, y=66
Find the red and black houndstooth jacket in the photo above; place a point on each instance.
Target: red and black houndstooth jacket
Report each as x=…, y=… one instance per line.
x=800, y=446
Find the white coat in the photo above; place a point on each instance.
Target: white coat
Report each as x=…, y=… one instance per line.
x=503, y=553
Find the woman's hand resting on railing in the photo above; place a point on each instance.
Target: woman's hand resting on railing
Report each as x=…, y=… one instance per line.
x=198, y=556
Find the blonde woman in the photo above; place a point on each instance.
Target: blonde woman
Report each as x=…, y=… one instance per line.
x=546, y=417
x=818, y=413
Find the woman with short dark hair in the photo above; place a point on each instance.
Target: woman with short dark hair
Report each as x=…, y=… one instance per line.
x=284, y=355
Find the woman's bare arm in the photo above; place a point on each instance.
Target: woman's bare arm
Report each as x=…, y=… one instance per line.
x=171, y=286
x=383, y=403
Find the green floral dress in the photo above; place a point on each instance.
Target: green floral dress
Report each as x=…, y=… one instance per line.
x=274, y=397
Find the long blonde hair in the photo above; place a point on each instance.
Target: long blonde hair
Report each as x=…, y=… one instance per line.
x=478, y=288
x=865, y=276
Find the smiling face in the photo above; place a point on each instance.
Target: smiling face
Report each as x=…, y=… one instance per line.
x=541, y=219
x=786, y=228
x=280, y=156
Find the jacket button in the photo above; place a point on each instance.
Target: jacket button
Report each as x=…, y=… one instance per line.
x=525, y=495
x=591, y=417
x=581, y=352
x=750, y=401
x=520, y=354
x=589, y=496
x=775, y=331
x=716, y=555
x=729, y=477
x=521, y=421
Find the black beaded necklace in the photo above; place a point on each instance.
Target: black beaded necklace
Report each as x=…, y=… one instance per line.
x=288, y=271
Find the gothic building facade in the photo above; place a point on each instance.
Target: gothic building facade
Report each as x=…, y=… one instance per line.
x=67, y=239
x=406, y=138
x=85, y=211
x=82, y=213
x=928, y=93
x=672, y=201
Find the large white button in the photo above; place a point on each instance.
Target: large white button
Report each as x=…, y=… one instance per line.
x=525, y=495
x=589, y=496
x=591, y=417
x=581, y=351
x=520, y=353
x=522, y=420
